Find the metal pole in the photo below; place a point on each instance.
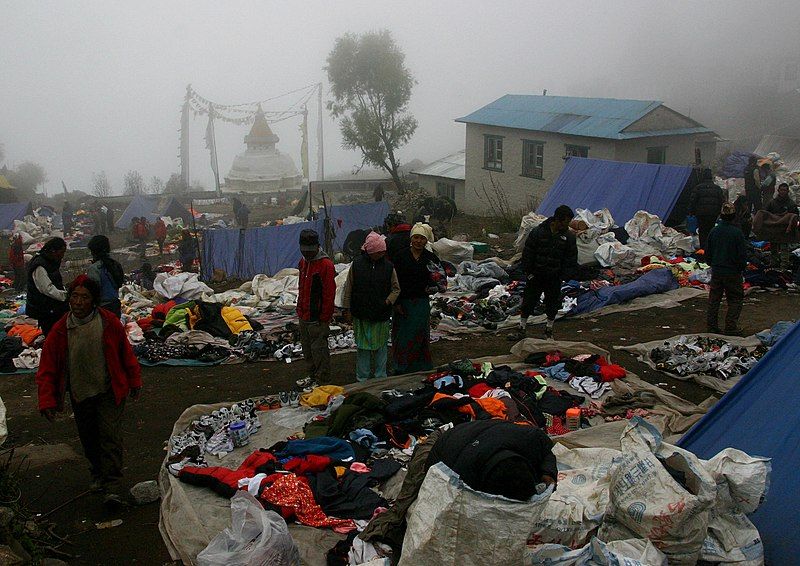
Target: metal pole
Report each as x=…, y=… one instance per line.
x=196, y=240
x=320, y=152
x=215, y=162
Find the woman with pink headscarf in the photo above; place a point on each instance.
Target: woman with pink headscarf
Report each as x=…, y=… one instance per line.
x=369, y=294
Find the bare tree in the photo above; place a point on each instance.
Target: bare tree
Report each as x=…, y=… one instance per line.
x=156, y=186
x=133, y=183
x=100, y=185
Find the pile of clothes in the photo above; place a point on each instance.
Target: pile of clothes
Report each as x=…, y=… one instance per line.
x=687, y=355
x=588, y=374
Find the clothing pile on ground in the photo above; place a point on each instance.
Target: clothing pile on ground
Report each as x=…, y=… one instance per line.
x=708, y=355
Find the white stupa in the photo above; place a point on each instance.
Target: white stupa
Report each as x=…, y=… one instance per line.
x=262, y=168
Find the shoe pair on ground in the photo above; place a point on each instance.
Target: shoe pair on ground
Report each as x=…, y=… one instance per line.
x=307, y=384
x=726, y=332
x=289, y=398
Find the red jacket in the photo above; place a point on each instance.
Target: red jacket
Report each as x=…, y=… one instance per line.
x=317, y=289
x=123, y=367
x=161, y=230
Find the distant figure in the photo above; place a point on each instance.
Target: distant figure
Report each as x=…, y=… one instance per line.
x=550, y=257
x=47, y=299
x=66, y=217
x=241, y=213
x=378, y=193
x=752, y=184
x=782, y=204
x=706, y=202
x=141, y=230
x=100, y=220
x=726, y=253
x=107, y=273
x=399, y=234
x=110, y=220
x=16, y=257
x=743, y=219
x=146, y=277
x=160, y=229
x=187, y=250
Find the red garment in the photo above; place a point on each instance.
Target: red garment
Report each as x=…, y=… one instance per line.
x=140, y=230
x=28, y=332
x=16, y=254
x=320, y=270
x=145, y=323
x=291, y=492
x=160, y=311
x=611, y=372
x=123, y=367
x=160, y=229
x=310, y=464
x=478, y=390
x=225, y=481
x=400, y=228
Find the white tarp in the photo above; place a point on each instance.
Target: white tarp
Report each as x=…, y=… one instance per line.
x=186, y=285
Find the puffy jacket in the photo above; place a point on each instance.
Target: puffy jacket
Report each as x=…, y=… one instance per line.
x=550, y=255
x=707, y=199
x=726, y=251
x=398, y=240
x=372, y=284
x=38, y=304
x=317, y=289
x=122, y=365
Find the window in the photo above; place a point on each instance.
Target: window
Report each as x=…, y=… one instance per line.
x=533, y=159
x=575, y=150
x=493, y=153
x=446, y=190
x=657, y=155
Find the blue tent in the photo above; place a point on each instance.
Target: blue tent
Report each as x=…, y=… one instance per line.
x=347, y=218
x=13, y=211
x=147, y=206
x=760, y=416
x=624, y=188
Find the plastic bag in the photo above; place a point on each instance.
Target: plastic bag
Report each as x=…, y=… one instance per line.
x=661, y=492
x=528, y=223
x=635, y=552
x=256, y=537
x=451, y=524
x=452, y=251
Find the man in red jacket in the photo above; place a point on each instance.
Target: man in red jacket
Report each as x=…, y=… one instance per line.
x=88, y=355
x=315, y=306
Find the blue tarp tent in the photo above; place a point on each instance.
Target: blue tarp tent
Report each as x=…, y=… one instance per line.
x=760, y=416
x=149, y=208
x=347, y=218
x=624, y=188
x=13, y=211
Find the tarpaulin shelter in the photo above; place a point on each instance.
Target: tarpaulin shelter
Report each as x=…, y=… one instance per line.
x=622, y=187
x=759, y=416
x=152, y=208
x=246, y=253
x=13, y=211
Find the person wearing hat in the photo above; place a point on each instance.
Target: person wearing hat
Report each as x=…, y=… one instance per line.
x=411, y=328
x=47, y=298
x=726, y=253
x=106, y=272
x=707, y=199
x=491, y=456
x=370, y=291
x=317, y=289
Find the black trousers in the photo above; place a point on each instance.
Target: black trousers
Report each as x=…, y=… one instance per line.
x=99, y=422
x=704, y=226
x=731, y=287
x=551, y=287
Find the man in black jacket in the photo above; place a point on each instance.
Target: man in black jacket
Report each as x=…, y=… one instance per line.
x=782, y=204
x=492, y=456
x=707, y=200
x=550, y=256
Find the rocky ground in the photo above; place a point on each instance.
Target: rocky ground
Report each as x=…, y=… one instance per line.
x=53, y=476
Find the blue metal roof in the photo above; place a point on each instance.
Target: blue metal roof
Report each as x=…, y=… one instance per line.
x=590, y=117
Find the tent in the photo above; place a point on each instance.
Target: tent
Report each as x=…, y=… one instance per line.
x=13, y=211
x=624, y=188
x=760, y=416
x=148, y=206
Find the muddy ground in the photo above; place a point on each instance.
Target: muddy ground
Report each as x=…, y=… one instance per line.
x=54, y=472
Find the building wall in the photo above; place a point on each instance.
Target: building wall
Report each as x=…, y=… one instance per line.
x=428, y=183
x=679, y=149
x=524, y=193
x=662, y=118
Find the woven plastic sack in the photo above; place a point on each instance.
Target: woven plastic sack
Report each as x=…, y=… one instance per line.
x=256, y=537
x=450, y=524
x=646, y=501
x=635, y=552
x=452, y=251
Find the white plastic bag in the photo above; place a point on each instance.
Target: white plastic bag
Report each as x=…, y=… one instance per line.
x=450, y=524
x=635, y=552
x=256, y=537
x=528, y=223
x=647, y=502
x=452, y=251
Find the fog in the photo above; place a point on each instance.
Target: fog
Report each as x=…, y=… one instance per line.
x=90, y=86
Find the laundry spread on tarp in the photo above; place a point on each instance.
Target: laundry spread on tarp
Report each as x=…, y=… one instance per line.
x=331, y=465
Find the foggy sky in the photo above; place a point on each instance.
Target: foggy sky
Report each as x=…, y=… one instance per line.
x=90, y=86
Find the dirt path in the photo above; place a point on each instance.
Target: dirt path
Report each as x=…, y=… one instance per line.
x=55, y=472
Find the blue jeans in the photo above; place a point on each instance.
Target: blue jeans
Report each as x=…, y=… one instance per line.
x=364, y=363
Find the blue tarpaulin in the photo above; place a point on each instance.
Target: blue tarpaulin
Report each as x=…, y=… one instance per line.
x=268, y=250
x=148, y=207
x=622, y=188
x=347, y=218
x=735, y=164
x=760, y=416
x=652, y=282
x=13, y=211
